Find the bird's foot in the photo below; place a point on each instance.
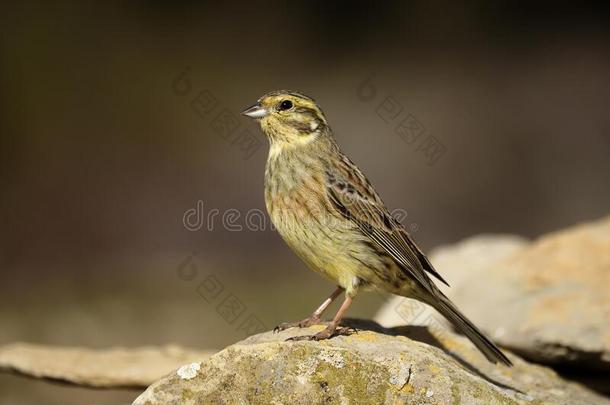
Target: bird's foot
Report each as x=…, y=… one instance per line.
x=312, y=320
x=329, y=332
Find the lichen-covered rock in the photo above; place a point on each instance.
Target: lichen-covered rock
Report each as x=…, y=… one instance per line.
x=548, y=301
x=115, y=367
x=373, y=366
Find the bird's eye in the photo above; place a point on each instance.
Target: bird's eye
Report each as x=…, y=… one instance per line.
x=285, y=105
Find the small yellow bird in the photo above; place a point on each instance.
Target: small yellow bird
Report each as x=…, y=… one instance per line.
x=331, y=216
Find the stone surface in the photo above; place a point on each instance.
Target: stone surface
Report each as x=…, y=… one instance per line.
x=374, y=366
x=548, y=301
x=117, y=367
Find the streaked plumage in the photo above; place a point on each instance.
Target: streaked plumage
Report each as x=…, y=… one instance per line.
x=331, y=216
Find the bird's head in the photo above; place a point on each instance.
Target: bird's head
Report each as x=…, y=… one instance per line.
x=288, y=118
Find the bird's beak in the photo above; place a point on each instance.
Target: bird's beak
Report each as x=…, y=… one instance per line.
x=256, y=111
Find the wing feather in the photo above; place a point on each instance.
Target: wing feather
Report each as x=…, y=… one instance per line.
x=357, y=201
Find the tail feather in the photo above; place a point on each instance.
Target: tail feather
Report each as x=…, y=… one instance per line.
x=443, y=305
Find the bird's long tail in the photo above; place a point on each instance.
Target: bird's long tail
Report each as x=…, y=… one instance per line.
x=443, y=305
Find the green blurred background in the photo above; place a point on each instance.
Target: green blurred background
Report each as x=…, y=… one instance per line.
x=101, y=156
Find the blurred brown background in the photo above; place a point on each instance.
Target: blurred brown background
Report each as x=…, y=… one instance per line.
x=101, y=157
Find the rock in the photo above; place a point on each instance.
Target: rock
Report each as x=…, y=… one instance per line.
x=554, y=299
x=547, y=301
x=373, y=366
x=117, y=367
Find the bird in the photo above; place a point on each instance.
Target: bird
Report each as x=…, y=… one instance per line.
x=330, y=215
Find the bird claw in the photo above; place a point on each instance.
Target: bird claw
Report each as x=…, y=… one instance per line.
x=285, y=325
x=325, y=334
x=300, y=324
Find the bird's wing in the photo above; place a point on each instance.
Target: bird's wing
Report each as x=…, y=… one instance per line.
x=354, y=197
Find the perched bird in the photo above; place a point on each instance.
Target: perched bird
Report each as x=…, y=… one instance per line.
x=331, y=216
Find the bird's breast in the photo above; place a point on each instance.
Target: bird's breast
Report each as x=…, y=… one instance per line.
x=305, y=218
x=295, y=199
x=295, y=196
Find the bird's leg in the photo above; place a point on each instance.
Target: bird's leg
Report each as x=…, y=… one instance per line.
x=314, y=319
x=333, y=328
